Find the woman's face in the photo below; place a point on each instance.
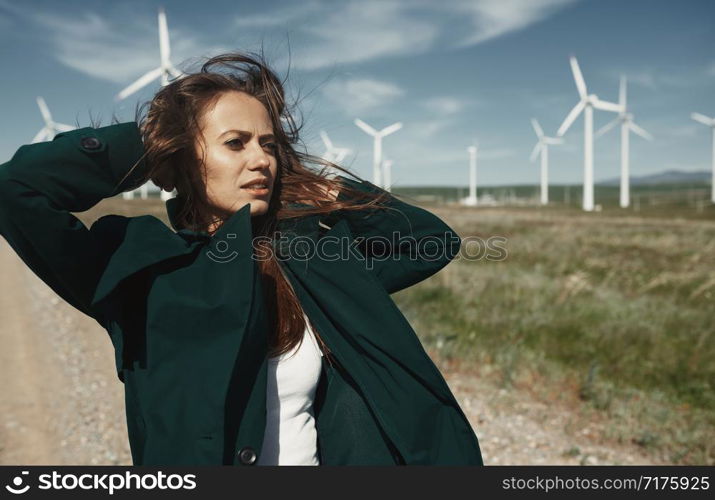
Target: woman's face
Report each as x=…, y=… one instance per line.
x=240, y=149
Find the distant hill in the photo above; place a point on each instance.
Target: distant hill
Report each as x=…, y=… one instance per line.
x=666, y=177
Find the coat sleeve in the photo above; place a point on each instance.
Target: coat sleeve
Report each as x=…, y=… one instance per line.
x=403, y=244
x=42, y=183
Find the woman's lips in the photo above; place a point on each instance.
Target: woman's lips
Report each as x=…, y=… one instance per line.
x=257, y=191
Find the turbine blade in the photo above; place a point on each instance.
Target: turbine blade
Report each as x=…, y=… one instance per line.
x=40, y=136
x=578, y=77
x=606, y=128
x=535, y=151
x=164, y=47
x=635, y=128
x=553, y=140
x=175, y=72
x=61, y=127
x=326, y=139
x=607, y=106
x=537, y=128
x=142, y=81
x=341, y=153
x=44, y=110
x=702, y=119
x=367, y=128
x=622, y=93
x=571, y=118
x=392, y=128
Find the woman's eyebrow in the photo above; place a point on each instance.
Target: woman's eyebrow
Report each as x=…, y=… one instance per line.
x=247, y=133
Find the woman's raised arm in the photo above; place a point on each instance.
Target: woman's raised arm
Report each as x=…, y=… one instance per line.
x=44, y=182
x=403, y=244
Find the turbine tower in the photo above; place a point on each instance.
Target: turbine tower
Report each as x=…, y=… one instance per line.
x=377, y=147
x=542, y=146
x=471, y=200
x=710, y=122
x=586, y=104
x=626, y=121
x=164, y=71
x=51, y=128
x=387, y=174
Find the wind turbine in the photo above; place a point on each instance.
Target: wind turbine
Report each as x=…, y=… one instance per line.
x=626, y=121
x=332, y=153
x=144, y=193
x=586, y=104
x=710, y=122
x=51, y=128
x=471, y=200
x=164, y=71
x=542, y=146
x=377, y=147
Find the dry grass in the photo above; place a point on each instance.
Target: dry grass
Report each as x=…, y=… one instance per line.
x=616, y=312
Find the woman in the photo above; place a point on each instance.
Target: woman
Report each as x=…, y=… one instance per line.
x=209, y=320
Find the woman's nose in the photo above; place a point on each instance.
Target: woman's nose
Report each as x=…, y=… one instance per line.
x=259, y=158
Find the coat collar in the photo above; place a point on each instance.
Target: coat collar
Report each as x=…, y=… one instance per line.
x=172, y=211
x=238, y=223
x=146, y=240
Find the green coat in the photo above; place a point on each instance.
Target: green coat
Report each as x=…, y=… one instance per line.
x=184, y=313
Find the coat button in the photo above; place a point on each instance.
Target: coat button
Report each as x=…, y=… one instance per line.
x=247, y=455
x=90, y=143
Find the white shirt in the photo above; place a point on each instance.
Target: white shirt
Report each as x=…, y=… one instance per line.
x=291, y=437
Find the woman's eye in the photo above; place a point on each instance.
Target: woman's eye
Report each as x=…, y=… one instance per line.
x=234, y=142
x=272, y=145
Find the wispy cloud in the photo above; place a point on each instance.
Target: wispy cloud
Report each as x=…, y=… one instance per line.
x=426, y=128
x=447, y=105
x=494, y=18
x=363, y=30
x=654, y=79
x=110, y=50
x=119, y=43
x=281, y=17
x=359, y=95
x=642, y=78
x=358, y=31
x=683, y=130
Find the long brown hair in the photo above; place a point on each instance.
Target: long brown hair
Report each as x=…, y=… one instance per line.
x=169, y=130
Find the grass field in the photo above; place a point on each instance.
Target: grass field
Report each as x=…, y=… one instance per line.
x=613, y=310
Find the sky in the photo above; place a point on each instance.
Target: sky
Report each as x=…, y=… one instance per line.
x=453, y=72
